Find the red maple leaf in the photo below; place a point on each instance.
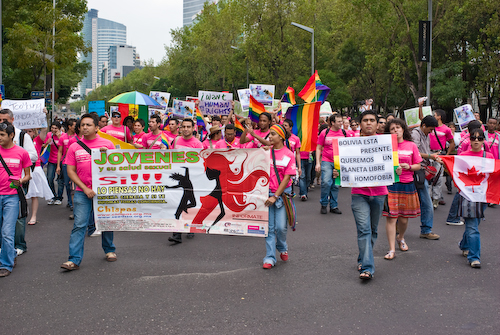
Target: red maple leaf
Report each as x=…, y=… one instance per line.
x=472, y=178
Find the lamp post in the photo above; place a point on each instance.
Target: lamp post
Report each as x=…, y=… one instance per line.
x=246, y=60
x=54, y=63
x=428, y=91
x=311, y=30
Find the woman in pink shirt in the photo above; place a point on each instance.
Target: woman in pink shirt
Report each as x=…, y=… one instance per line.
x=53, y=140
x=402, y=200
x=282, y=161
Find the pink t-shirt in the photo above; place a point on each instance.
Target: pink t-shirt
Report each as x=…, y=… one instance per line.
x=493, y=144
x=206, y=144
x=65, y=142
x=54, y=148
x=444, y=134
x=408, y=153
x=16, y=159
x=170, y=136
x=255, y=142
x=476, y=154
x=294, y=143
x=147, y=141
x=223, y=144
x=193, y=142
x=285, y=162
x=465, y=145
x=305, y=154
x=137, y=137
x=355, y=133
x=38, y=147
x=118, y=132
x=79, y=157
x=327, y=155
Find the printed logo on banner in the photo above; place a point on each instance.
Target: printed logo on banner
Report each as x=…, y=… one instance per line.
x=256, y=230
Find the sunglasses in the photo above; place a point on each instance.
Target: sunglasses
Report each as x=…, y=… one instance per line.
x=477, y=138
x=116, y=115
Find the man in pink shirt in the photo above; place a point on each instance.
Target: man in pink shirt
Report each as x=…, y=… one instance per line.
x=64, y=143
x=79, y=163
x=139, y=125
x=117, y=130
x=258, y=137
x=230, y=141
x=324, y=154
x=493, y=138
x=152, y=140
x=173, y=125
x=187, y=140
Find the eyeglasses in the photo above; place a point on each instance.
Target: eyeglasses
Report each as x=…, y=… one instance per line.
x=477, y=138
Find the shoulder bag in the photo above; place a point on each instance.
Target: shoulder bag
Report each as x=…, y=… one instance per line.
x=23, y=204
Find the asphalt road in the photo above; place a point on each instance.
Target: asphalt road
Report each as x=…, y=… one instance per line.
x=216, y=284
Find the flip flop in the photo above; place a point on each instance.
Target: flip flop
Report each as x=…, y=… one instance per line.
x=32, y=223
x=366, y=275
x=70, y=266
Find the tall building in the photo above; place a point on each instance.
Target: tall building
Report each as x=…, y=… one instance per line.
x=119, y=56
x=191, y=8
x=100, y=34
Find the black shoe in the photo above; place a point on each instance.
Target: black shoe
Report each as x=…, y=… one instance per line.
x=323, y=209
x=190, y=235
x=175, y=240
x=335, y=210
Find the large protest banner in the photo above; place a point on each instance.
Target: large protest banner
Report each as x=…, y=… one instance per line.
x=215, y=103
x=366, y=161
x=27, y=113
x=183, y=190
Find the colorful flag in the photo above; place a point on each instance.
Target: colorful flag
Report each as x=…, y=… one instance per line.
x=289, y=96
x=164, y=141
x=199, y=118
x=305, y=124
x=44, y=155
x=314, y=90
x=238, y=127
x=477, y=178
x=116, y=142
x=255, y=108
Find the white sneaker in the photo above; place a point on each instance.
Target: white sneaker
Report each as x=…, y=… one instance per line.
x=57, y=202
x=50, y=202
x=459, y=223
x=19, y=251
x=96, y=233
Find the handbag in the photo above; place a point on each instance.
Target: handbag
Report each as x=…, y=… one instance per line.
x=291, y=210
x=23, y=204
x=419, y=179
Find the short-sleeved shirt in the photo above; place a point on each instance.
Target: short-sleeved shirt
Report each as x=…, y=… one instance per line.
x=147, y=141
x=285, y=162
x=206, y=144
x=493, y=143
x=444, y=134
x=476, y=154
x=137, y=137
x=16, y=158
x=118, y=132
x=79, y=157
x=294, y=143
x=325, y=139
x=223, y=144
x=54, y=146
x=408, y=153
x=423, y=144
x=193, y=142
x=65, y=142
x=170, y=136
x=255, y=143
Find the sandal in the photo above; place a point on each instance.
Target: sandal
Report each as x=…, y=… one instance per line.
x=359, y=266
x=31, y=222
x=365, y=275
x=402, y=245
x=70, y=266
x=111, y=257
x=390, y=255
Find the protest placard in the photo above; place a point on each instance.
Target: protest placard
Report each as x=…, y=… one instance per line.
x=215, y=103
x=366, y=161
x=184, y=190
x=183, y=108
x=98, y=106
x=244, y=96
x=411, y=115
x=464, y=114
x=160, y=97
x=27, y=113
x=263, y=93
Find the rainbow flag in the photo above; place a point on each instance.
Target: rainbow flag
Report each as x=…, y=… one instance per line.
x=199, y=119
x=238, y=127
x=44, y=155
x=305, y=124
x=313, y=87
x=255, y=108
x=164, y=141
x=289, y=96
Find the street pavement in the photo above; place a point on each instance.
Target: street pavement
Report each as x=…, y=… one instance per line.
x=216, y=284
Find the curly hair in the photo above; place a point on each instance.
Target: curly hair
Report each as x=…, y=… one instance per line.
x=402, y=124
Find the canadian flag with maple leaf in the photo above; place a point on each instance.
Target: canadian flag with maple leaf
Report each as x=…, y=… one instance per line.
x=477, y=178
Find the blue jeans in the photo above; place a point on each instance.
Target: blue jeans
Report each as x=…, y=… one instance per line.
x=51, y=174
x=64, y=178
x=453, y=213
x=367, y=211
x=9, y=211
x=84, y=215
x=276, y=236
x=329, y=191
x=426, y=209
x=471, y=239
x=305, y=177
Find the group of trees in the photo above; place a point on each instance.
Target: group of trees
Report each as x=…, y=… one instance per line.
x=28, y=52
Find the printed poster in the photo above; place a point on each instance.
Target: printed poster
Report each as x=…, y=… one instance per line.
x=219, y=191
x=183, y=108
x=215, y=103
x=160, y=97
x=464, y=114
x=27, y=113
x=366, y=161
x=244, y=96
x=411, y=115
x=263, y=93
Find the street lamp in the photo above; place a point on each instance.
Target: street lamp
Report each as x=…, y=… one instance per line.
x=311, y=30
x=428, y=91
x=246, y=59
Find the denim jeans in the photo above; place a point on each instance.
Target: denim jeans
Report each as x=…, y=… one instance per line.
x=426, y=209
x=329, y=191
x=9, y=211
x=276, y=236
x=471, y=239
x=305, y=177
x=367, y=211
x=19, y=241
x=62, y=183
x=453, y=213
x=84, y=215
x=51, y=175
